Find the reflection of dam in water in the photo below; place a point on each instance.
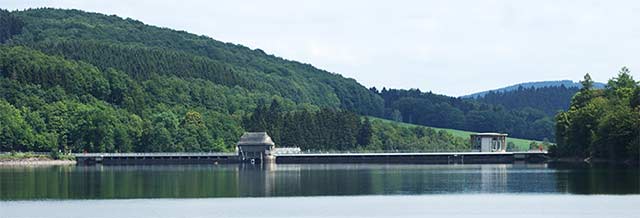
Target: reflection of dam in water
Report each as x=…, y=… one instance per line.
x=493, y=177
x=269, y=179
x=355, y=179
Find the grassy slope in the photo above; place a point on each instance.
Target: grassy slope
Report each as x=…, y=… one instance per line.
x=521, y=144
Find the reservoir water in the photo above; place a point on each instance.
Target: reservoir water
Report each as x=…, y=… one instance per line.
x=334, y=190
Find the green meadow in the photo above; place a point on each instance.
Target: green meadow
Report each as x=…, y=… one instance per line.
x=521, y=144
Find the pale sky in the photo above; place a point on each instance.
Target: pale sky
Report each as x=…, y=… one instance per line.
x=448, y=47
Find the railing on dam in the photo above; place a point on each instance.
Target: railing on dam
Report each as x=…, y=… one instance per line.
x=314, y=157
x=157, y=154
x=407, y=152
x=203, y=154
x=356, y=154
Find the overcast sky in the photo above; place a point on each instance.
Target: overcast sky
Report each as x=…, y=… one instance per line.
x=448, y=47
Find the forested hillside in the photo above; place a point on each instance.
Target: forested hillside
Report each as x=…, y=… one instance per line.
x=143, y=51
x=602, y=123
x=550, y=100
x=417, y=107
x=77, y=81
x=74, y=80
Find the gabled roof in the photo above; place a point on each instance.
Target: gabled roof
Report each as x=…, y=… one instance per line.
x=255, y=138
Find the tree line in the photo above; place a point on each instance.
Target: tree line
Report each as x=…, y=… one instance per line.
x=601, y=123
x=339, y=130
x=550, y=99
x=326, y=129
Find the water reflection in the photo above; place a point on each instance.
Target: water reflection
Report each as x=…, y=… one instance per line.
x=599, y=179
x=195, y=181
x=493, y=178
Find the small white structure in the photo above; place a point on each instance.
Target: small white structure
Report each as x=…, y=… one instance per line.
x=489, y=142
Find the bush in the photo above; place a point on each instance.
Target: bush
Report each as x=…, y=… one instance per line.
x=55, y=154
x=511, y=146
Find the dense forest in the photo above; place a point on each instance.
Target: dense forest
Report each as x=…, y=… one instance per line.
x=334, y=130
x=550, y=100
x=417, y=107
x=77, y=81
x=143, y=51
x=601, y=123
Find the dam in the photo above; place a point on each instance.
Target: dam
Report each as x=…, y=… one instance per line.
x=300, y=158
x=416, y=158
x=258, y=148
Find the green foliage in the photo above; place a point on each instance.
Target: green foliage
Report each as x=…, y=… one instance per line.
x=520, y=144
x=365, y=133
x=15, y=133
x=55, y=154
x=331, y=130
x=522, y=121
x=533, y=146
x=143, y=51
x=511, y=146
x=10, y=25
x=326, y=129
x=390, y=137
x=549, y=100
x=601, y=123
x=77, y=81
x=76, y=107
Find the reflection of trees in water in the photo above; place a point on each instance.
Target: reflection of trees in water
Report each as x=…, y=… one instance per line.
x=313, y=180
x=347, y=179
x=103, y=182
x=189, y=181
x=598, y=179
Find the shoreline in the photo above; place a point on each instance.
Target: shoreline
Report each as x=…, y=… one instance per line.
x=35, y=162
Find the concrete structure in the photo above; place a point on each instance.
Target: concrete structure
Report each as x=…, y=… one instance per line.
x=306, y=158
x=255, y=147
x=488, y=142
x=156, y=158
x=258, y=148
x=416, y=158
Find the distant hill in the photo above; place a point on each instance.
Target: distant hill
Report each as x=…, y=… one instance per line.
x=548, y=99
x=429, y=109
x=565, y=83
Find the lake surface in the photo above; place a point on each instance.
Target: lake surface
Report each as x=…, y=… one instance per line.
x=477, y=205
x=207, y=181
x=317, y=190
